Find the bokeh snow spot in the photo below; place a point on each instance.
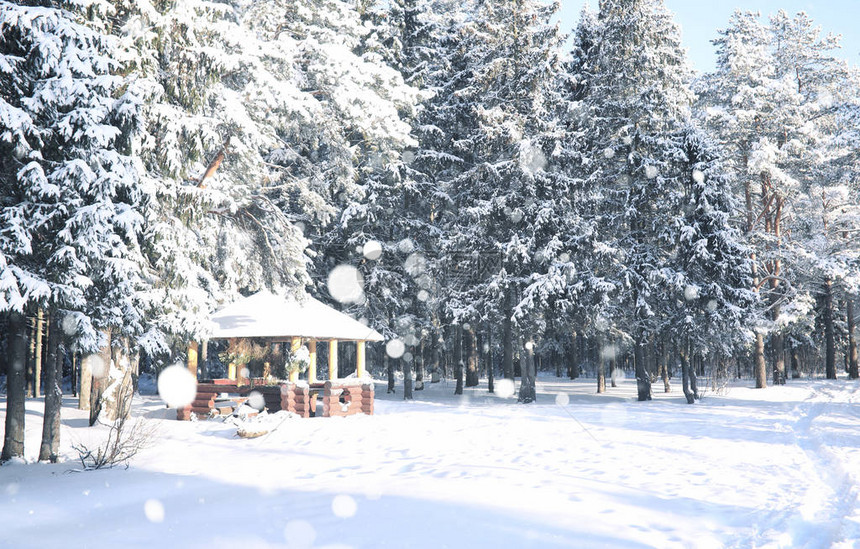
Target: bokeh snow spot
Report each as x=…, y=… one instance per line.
x=564, y=257
x=698, y=176
x=416, y=265
x=608, y=152
x=505, y=388
x=406, y=246
x=98, y=366
x=344, y=506
x=256, y=400
x=299, y=534
x=530, y=345
x=516, y=215
x=532, y=158
x=624, y=179
x=627, y=140
x=70, y=325
x=245, y=373
x=691, y=292
x=608, y=352
x=650, y=171
x=395, y=348
x=154, y=510
x=372, y=250
x=12, y=488
x=423, y=295
x=712, y=305
x=562, y=399
x=345, y=284
x=177, y=387
x=407, y=357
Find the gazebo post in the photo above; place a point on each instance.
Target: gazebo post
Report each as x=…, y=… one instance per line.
x=192, y=358
x=359, y=359
x=312, y=365
x=294, y=346
x=332, y=359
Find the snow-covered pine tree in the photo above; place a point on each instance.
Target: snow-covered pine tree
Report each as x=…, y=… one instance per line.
x=210, y=120
x=502, y=77
x=772, y=103
x=634, y=110
x=71, y=200
x=340, y=173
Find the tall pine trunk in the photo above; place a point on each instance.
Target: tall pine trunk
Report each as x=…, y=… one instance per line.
x=759, y=363
x=458, y=359
x=389, y=371
x=100, y=377
x=643, y=378
x=852, y=341
x=50, y=447
x=407, y=378
x=472, y=378
x=527, y=383
x=507, y=344
x=829, y=337
x=686, y=375
x=16, y=388
x=38, y=354
x=419, y=366
x=491, y=378
x=601, y=375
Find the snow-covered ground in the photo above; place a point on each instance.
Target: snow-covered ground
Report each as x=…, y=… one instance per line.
x=772, y=468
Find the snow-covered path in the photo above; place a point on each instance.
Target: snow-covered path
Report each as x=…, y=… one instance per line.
x=772, y=468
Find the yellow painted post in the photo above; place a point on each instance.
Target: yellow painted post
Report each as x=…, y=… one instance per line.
x=294, y=346
x=332, y=359
x=312, y=366
x=192, y=358
x=359, y=359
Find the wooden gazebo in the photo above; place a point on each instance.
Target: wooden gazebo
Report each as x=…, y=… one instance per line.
x=279, y=319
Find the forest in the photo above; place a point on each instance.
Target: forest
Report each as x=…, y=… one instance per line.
x=510, y=196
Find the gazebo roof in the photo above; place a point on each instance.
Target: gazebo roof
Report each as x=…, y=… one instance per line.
x=267, y=315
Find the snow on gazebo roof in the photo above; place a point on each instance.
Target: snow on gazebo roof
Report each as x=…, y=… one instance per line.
x=267, y=315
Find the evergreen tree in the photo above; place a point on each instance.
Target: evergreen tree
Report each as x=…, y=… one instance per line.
x=70, y=203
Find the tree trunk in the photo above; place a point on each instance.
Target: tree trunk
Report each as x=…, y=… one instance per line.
x=31, y=359
x=601, y=375
x=663, y=367
x=643, y=380
x=86, y=384
x=472, y=379
x=458, y=360
x=829, y=338
x=778, y=347
x=389, y=370
x=760, y=366
x=795, y=361
x=491, y=377
x=852, y=341
x=507, y=346
x=53, y=394
x=419, y=366
x=407, y=379
x=613, y=364
x=527, y=383
x=37, y=357
x=686, y=374
x=16, y=387
x=100, y=377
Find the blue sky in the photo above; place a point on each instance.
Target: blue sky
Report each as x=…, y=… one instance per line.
x=700, y=20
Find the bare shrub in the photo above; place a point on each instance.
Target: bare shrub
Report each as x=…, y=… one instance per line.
x=126, y=437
